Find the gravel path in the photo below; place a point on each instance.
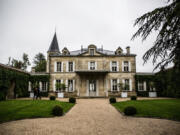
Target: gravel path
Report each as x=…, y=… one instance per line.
x=91, y=117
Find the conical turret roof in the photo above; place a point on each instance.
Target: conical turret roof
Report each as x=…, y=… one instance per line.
x=54, y=47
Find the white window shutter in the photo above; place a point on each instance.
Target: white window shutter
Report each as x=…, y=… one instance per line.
x=130, y=85
x=29, y=86
x=118, y=66
x=73, y=85
x=138, y=86
x=88, y=65
x=55, y=66
x=61, y=66
x=67, y=85
x=111, y=85
x=118, y=84
x=73, y=66
x=110, y=65
x=54, y=85
x=123, y=83
x=129, y=66
x=144, y=85
x=95, y=65
x=40, y=86
x=123, y=66
x=67, y=64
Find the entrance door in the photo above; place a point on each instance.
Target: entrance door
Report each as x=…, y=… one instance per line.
x=92, y=87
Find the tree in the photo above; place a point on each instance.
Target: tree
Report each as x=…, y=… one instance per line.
x=26, y=62
x=166, y=21
x=20, y=64
x=40, y=62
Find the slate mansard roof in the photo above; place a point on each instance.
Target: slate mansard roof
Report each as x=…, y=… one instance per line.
x=100, y=50
x=54, y=47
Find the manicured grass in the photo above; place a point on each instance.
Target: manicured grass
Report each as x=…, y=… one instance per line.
x=162, y=108
x=20, y=109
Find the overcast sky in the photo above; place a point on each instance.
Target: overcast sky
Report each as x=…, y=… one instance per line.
x=29, y=25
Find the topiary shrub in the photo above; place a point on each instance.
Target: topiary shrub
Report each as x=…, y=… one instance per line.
x=133, y=98
x=72, y=100
x=52, y=98
x=130, y=110
x=57, y=111
x=112, y=100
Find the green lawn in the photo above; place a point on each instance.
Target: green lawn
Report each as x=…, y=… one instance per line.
x=20, y=109
x=162, y=108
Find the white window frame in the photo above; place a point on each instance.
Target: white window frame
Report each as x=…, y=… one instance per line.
x=114, y=66
x=71, y=83
x=91, y=51
x=92, y=67
x=141, y=86
x=70, y=69
x=58, y=68
x=114, y=85
x=126, y=67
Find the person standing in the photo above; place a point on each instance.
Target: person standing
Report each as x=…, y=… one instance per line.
x=35, y=93
x=38, y=93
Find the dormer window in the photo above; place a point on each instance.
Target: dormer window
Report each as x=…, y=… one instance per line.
x=91, y=52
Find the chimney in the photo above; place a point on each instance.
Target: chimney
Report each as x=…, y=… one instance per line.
x=128, y=50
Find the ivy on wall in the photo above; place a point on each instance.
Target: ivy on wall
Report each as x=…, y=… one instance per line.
x=21, y=80
x=8, y=76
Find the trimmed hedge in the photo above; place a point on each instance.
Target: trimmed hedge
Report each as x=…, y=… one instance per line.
x=112, y=100
x=72, y=100
x=130, y=110
x=133, y=98
x=52, y=98
x=57, y=111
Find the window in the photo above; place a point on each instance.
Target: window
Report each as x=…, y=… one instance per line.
x=92, y=52
x=58, y=83
x=126, y=66
x=126, y=84
x=114, y=84
x=70, y=85
x=92, y=65
x=140, y=86
x=70, y=66
x=114, y=66
x=44, y=86
x=58, y=66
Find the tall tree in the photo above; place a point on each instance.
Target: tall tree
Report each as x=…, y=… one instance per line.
x=20, y=64
x=26, y=62
x=40, y=62
x=166, y=21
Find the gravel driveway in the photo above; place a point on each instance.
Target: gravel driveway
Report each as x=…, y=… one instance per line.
x=91, y=117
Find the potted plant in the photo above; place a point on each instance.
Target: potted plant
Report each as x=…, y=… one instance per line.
x=61, y=88
x=124, y=93
x=152, y=91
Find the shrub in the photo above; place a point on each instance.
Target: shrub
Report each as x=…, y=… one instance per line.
x=57, y=111
x=52, y=98
x=112, y=100
x=133, y=97
x=130, y=110
x=72, y=100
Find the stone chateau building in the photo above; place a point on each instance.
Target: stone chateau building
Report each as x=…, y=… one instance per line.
x=91, y=71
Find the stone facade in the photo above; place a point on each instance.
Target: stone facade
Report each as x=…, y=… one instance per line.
x=91, y=72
